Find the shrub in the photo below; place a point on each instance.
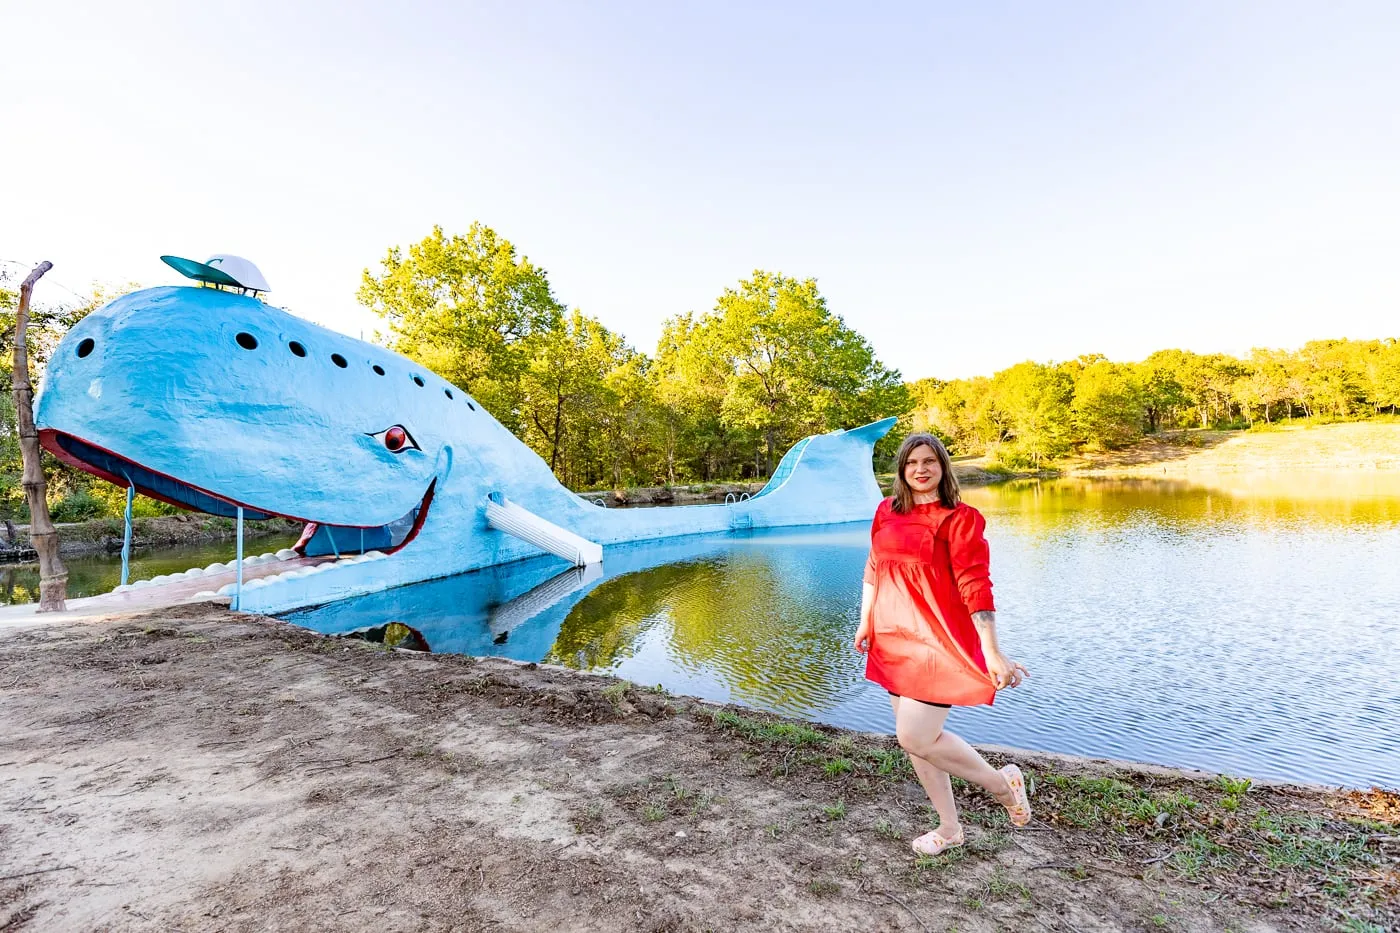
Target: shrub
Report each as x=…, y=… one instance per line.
x=78, y=506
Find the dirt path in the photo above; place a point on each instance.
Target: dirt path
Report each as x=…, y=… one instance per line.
x=198, y=770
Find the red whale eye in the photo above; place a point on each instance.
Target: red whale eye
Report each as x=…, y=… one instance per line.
x=396, y=439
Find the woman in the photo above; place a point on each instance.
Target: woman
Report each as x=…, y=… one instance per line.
x=928, y=629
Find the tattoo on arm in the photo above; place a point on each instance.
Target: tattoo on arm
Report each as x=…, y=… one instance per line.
x=986, y=623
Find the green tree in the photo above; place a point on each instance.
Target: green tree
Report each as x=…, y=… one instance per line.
x=569, y=392
x=1036, y=400
x=469, y=308
x=1109, y=411
x=1163, y=396
x=794, y=368
x=689, y=381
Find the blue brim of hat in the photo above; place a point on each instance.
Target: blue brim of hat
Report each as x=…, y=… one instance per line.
x=199, y=271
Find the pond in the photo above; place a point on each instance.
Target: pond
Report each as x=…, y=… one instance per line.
x=89, y=576
x=1250, y=628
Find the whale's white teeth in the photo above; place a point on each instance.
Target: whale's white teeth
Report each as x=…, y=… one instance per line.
x=295, y=573
x=216, y=567
x=194, y=572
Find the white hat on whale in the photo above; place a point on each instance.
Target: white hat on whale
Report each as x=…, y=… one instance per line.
x=220, y=269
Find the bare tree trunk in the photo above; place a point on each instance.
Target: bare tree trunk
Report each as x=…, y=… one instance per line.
x=53, y=578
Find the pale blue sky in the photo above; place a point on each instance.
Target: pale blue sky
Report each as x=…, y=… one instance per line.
x=970, y=184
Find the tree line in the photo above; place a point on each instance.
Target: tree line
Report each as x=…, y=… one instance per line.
x=1032, y=412
x=725, y=394
x=728, y=390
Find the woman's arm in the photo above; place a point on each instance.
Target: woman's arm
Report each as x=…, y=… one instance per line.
x=867, y=598
x=1005, y=672
x=971, y=560
x=867, y=587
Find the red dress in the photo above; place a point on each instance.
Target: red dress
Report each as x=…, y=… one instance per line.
x=930, y=571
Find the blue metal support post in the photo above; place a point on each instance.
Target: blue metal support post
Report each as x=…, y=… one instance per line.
x=126, y=537
x=238, y=588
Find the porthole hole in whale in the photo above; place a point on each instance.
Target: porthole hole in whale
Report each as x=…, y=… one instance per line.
x=85, y=347
x=378, y=370
x=418, y=381
x=447, y=392
x=339, y=360
x=296, y=348
x=246, y=340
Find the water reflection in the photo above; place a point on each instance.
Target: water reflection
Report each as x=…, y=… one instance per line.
x=1239, y=500
x=759, y=618
x=1234, y=630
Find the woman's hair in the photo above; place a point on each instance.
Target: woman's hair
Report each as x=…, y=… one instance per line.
x=947, y=486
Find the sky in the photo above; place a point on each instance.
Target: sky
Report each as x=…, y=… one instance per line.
x=971, y=185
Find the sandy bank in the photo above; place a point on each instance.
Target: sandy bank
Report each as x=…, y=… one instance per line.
x=1360, y=447
x=199, y=770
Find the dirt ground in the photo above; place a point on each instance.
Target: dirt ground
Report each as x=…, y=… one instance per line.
x=198, y=770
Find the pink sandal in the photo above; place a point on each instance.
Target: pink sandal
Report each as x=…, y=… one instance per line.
x=934, y=843
x=1020, y=807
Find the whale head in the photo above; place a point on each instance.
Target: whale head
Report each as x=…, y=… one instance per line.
x=212, y=400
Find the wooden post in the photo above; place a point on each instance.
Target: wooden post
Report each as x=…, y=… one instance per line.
x=53, y=578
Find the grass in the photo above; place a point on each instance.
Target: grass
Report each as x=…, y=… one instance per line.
x=1235, y=789
x=999, y=886
x=1200, y=855
x=890, y=762
x=835, y=767
x=1356, y=925
x=1220, y=831
x=1088, y=803
x=783, y=733
x=887, y=830
x=678, y=790
x=616, y=692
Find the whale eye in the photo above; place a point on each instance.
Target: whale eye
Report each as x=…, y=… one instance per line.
x=396, y=439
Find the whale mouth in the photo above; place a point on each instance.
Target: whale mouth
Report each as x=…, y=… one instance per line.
x=318, y=539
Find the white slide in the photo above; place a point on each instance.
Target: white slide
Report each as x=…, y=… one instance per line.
x=504, y=515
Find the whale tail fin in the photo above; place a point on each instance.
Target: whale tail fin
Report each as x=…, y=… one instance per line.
x=826, y=477
x=872, y=432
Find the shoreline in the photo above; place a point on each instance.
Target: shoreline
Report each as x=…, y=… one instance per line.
x=1344, y=450
x=194, y=767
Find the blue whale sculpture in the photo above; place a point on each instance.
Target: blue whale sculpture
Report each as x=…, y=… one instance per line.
x=213, y=400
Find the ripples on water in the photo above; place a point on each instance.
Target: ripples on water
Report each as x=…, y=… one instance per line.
x=1236, y=631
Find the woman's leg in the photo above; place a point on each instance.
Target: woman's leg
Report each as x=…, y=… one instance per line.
x=919, y=728
x=935, y=781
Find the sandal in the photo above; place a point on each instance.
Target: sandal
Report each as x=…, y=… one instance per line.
x=1020, y=807
x=934, y=843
